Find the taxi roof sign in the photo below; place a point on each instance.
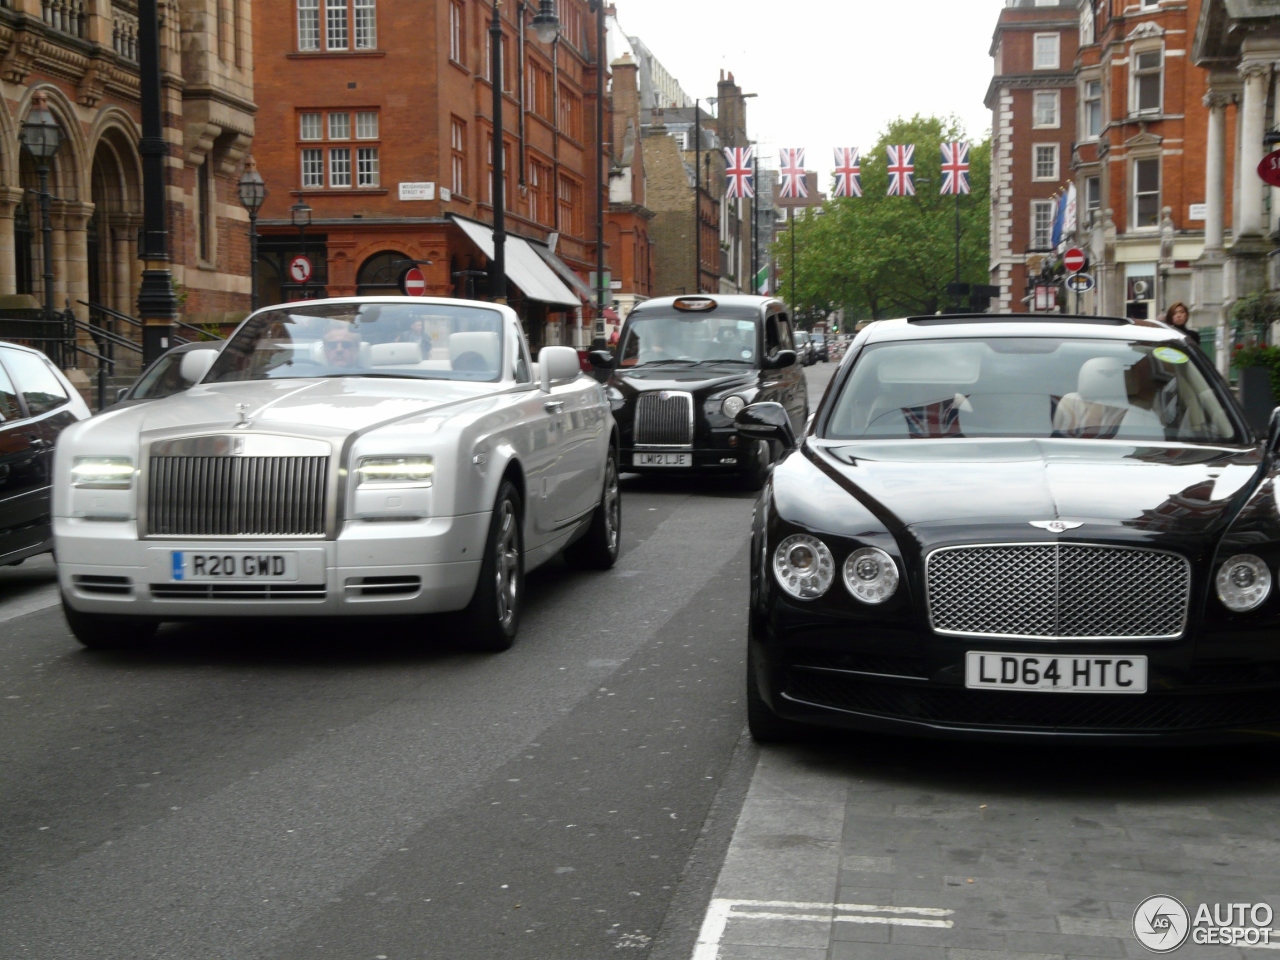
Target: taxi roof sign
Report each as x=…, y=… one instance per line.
x=695, y=304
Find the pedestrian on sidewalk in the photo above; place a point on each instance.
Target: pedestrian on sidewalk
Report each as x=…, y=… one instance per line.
x=1178, y=317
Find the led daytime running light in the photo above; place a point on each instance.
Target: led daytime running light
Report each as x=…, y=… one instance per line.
x=416, y=470
x=108, y=473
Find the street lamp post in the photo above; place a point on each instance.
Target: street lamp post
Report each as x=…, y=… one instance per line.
x=42, y=137
x=602, y=182
x=157, y=302
x=253, y=193
x=300, y=214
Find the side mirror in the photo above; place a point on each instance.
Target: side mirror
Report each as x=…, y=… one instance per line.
x=557, y=363
x=1273, y=434
x=766, y=421
x=195, y=364
x=602, y=359
x=780, y=360
x=120, y=394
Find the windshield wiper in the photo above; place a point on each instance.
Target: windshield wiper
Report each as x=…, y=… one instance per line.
x=727, y=360
x=654, y=363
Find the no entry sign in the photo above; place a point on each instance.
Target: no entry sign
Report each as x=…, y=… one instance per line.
x=300, y=269
x=1074, y=260
x=413, y=283
x=1269, y=168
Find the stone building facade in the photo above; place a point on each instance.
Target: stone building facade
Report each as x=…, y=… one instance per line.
x=1032, y=98
x=82, y=55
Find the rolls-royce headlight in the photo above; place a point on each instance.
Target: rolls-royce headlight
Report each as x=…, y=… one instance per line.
x=1244, y=582
x=102, y=473
x=415, y=470
x=804, y=567
x=732, y=406
x=871, y=575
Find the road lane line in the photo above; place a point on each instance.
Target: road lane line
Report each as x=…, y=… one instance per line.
x=33, y=602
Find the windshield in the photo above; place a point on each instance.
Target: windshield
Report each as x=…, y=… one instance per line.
x=691, y=339
x=1036, y=388
x=428, y=341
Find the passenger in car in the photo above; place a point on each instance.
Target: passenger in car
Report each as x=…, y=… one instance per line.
x=342, y=346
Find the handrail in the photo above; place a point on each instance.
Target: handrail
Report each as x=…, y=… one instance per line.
x=111, y=313
x=108, y=335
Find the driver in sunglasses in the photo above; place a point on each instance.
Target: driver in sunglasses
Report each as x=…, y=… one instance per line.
x=342, y=346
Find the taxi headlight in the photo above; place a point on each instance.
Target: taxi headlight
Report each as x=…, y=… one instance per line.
x=804, y=567
x=102, y=473
x=418, y=471
x=732, y=406
x=1244, y=582
x=871, y=575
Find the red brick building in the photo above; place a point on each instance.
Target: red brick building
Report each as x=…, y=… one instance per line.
x=380, y=118
x=1032, y=98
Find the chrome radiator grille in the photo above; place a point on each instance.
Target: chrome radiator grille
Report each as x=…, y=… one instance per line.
x=237, y=496
x=664, y=419
x=1057, y=592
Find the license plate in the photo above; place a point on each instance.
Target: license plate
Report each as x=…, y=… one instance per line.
x=190, y=566
x=662, y=460
x=1018, y=671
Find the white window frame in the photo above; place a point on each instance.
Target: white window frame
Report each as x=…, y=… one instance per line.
x=1135, y=196
x=1085, y=101
x=368, y=168
x=1150, y=4
x=458, y=155
x=312, y=168
x=1135, y=77
x=1038, y=207
x=340, y=168
x=365, y=15
x=456, y=52
x=339, y=125
x=367, y=125
x=1088, y=25
x=311, y=125
x=1056, y=97
x=309, y=25
x=1091, y=208
x=1035, y=162
x=1036, y=63
x=337, y=25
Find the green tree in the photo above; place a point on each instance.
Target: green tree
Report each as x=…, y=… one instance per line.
x=878, y=256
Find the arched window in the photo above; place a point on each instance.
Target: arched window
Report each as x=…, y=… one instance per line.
x=380, y=274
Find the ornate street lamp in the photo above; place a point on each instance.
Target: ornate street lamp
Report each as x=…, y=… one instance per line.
x=157, y=301
x=300, y=214
x=253, y=193
x=42, y=137
x=545, y=22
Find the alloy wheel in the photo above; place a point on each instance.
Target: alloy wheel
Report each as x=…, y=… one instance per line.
x=507, y=566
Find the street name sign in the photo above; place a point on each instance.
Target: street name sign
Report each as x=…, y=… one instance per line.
x=418, y=191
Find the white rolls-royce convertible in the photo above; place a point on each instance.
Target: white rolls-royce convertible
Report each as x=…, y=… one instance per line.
x=366, y=456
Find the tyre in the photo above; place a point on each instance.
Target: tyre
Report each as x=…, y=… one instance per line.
x=99, y=631
x=491, y=620
x=764, y=725
x=599, y=548
x=756, y=470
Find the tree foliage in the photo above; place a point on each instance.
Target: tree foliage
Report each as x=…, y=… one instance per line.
x=878, y=256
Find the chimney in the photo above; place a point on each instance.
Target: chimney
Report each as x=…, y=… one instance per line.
x=626, y=98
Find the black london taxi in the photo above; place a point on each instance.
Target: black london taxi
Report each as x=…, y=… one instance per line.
x=686, y=367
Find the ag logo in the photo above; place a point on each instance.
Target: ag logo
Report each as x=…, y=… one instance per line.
x=1056, y=526
x=1161, y=924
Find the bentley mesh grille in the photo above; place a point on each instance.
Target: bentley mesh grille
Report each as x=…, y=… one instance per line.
x=1061, y=591
x=664, y=422
x=237, y=496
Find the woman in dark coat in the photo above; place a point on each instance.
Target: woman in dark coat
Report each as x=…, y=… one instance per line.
x=1178, y=316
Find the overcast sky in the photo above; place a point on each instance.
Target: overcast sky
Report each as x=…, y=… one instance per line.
x=829, y=72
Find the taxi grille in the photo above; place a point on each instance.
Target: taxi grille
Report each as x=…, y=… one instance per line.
x=1060, y=591
x=664, y=420
x=237, y=496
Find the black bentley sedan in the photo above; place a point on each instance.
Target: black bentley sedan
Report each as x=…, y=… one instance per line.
x=686, y=366
x=1012, y=527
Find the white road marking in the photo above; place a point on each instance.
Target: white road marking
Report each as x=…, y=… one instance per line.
x=721, y=911
x=32, y=602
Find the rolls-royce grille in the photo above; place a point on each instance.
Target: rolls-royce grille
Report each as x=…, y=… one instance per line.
x=1058, y=592
x=664, y=420
x=237, y=496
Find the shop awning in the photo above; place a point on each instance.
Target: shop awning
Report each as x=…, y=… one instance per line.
x=565, y=273
x=525, y=268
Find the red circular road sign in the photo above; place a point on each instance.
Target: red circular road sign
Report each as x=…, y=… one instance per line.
x=413, y=283
x=300, y=269
x=1074, y=260
x=1269, y=168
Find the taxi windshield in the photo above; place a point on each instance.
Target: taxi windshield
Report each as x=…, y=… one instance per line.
x=1031, y=388
x=687, y=339
x=428, y=341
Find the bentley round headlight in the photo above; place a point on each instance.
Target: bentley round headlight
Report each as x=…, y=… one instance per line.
x=804, y=567
x=732, y=406
x=871, y=575
x=1244, y=582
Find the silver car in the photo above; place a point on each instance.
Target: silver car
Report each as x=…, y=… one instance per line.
x=351, y=457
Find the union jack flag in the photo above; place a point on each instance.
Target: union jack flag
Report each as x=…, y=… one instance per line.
x=848, y=172
x=955, y=168
x=739, y=177
x=902, y=171
x=930, y=421
x=791, y=177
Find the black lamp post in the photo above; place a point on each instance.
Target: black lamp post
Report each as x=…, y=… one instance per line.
x=42, y=137
x=253, y=193
x=602, y=183
x=157, y=302
x=300, y=214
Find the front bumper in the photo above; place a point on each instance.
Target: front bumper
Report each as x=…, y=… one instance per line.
x=372, y=569
x=900, y=678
